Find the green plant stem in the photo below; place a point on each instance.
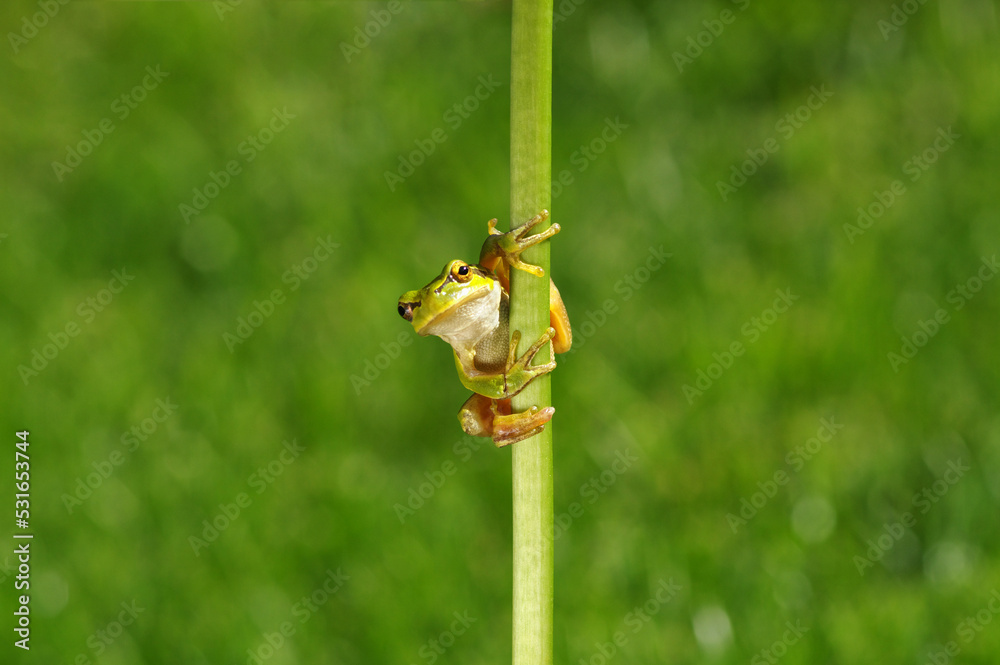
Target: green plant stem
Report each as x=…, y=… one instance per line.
x=530, y=179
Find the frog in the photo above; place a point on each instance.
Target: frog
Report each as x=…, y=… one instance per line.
x=468, y=306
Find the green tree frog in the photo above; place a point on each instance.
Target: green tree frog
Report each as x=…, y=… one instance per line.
x=467, y=306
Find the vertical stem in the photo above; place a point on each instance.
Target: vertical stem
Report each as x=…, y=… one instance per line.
x=530, y=179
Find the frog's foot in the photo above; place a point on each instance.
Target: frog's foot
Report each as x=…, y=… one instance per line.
x=490, y=418
x=508, y=246
x=521, y=372
x=510, y=427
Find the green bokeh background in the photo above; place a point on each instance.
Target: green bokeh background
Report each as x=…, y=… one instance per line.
x=371, y=440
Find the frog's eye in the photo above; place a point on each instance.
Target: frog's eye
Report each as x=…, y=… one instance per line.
x=461, y=273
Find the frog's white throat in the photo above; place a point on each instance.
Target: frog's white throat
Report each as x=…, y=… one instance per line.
x=465, y=324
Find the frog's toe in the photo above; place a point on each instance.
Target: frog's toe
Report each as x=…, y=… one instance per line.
x=508, y=429
x=531, y=223
x=544, y=338
x=529, y=355
x=531, y=268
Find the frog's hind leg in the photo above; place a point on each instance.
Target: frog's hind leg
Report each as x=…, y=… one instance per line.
x=476, y=416
x=491, y=418
x=510, y=427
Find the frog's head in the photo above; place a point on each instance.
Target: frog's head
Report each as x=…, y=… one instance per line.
x=461, y=303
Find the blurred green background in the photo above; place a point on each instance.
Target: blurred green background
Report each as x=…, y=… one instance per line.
x=824, y=107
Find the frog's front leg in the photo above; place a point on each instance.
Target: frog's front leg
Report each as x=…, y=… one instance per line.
x=522, y=372
x=505, y=248
x=516, y=374
x=491, y=418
